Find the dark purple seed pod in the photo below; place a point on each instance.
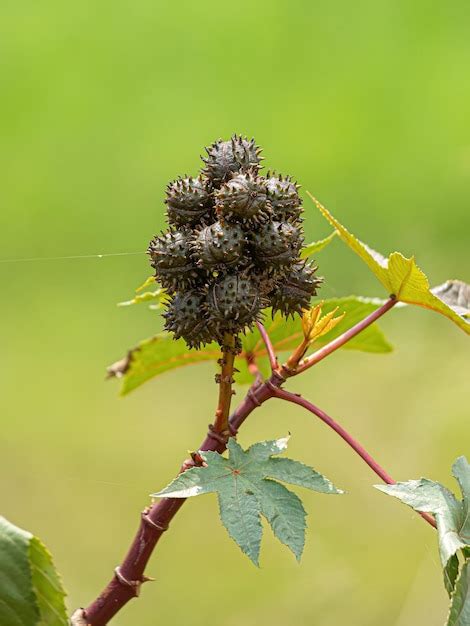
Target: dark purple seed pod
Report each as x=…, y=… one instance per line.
x=218, y=246
x=170, y=255
x=244, y=199
x=283, y=195
x=227, y=158
x=184, y=318
x=277, y=244
x=234, y=302
x=188, y=200
x=294, y=293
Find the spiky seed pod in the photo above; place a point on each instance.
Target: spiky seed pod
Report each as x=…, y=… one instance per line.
x=170, y=255
x=277, y=244
x=218, y=246
x=226, y=158
x=294, y=293
x=188, y=200
x=183, y=318
x=283, y=195
x=234, y=302
x=244, y=199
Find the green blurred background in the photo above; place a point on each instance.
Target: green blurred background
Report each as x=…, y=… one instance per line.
x=368, y=104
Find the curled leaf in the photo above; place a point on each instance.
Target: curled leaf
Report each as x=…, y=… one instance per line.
x=315, y=326
x=157, y=298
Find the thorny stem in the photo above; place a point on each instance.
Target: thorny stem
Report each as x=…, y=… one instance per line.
x=225, y=380
x=129, y=576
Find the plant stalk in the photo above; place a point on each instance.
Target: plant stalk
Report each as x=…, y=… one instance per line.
x=282, y=394
x=225, y=379
x=155, y=520
x=339, y=342
x=129, y=576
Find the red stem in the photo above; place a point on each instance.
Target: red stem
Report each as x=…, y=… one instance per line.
x=269, y=346
x=129, y=576
x=348, y=438
x=320, y=354
x=126, y=583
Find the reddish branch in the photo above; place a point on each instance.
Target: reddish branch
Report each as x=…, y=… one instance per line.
x=129, y=576
x=348, y=438
x=320, y=354
x=126, y=585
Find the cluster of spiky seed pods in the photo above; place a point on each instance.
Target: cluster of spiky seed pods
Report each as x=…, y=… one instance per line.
x=232, y=247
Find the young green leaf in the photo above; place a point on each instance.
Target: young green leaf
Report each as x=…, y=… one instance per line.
x=459, y=614
x=156, y=298
x=157, y=355
x=151, y=280
x=247, y=487
x=317, y=246
x=287, y=334
x=162, y=353
x=31, y=592
x=452, y=515
x=399, y=275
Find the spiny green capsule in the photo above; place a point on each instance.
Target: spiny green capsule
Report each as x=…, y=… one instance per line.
x=283, y=195
x=244, y=199
x=184, y=319
x=294, y=293
x=218, y=246
x=234, y=302
x=227, y=158
x=277, y=244
x=188, y=200
x=170, y=256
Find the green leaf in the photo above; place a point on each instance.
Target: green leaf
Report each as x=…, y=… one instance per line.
x=162, y=353
x=245, y=488
x=151, y=280
x=451, y=572
x=287, y=334
x=31, y=592
x=399, y=275
x=317, y=246
x=157, y=298
x=452, y=515
x=155, y=356
x=459, y=614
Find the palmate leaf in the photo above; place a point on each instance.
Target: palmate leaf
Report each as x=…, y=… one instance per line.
x=399, y=275
x=31, y=592
x=247, y=487
x=452, y=515
x=162, y=353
